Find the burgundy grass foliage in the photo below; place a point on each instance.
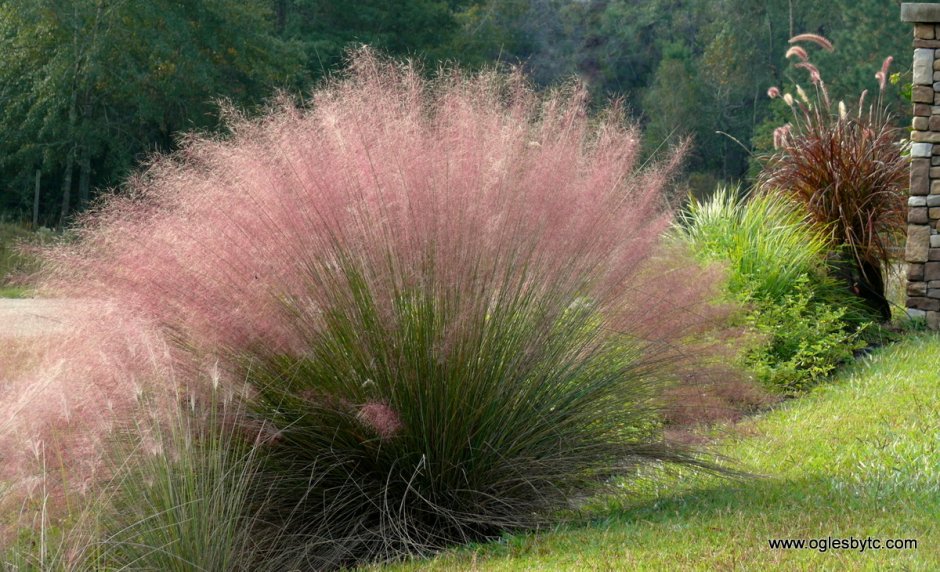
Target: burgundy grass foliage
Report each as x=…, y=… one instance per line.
x=846, y=167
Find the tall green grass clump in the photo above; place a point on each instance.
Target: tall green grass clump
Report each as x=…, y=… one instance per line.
x=776, y=263
x=764, y=241
x=400, y=432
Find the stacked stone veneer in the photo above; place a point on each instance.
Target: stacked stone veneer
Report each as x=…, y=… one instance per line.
x=923, y=216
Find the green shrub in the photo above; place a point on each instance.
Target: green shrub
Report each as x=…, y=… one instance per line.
x=15, y=263
x=805, y=340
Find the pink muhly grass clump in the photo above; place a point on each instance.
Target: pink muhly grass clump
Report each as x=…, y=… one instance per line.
x=211, y=241
x=498, y=207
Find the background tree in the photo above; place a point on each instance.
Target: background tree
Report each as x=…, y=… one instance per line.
x=90, y=88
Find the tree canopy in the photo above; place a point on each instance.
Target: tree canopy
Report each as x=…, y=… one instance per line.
x=90, y=88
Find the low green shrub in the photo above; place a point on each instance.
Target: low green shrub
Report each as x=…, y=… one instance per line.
x=805, y=339
x=15, y=263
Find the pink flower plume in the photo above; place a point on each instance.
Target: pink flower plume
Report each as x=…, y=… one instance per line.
x=798, y=52
x=813, y=38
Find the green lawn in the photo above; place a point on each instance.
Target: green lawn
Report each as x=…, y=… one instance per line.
x=14, y=292
x=13, y=264
x=858, y=457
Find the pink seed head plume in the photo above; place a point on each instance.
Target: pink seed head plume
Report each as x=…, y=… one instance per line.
x=813, y=38
x=882, y=76
x=798, y=52
x=773, y=92
x=861, y=101
x=814, y=75
x=781, y=136
x=380, y=418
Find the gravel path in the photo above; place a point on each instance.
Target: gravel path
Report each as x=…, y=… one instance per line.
x=32, y=316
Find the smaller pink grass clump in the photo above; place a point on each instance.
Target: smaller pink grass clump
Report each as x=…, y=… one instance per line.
x=380, y=418
x=71, y=391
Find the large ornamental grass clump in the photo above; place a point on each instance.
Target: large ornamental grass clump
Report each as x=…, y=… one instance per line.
x=444, y=303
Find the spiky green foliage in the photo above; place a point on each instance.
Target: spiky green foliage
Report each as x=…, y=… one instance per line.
x=399, y=433
x=776, y=263
x=765, y=242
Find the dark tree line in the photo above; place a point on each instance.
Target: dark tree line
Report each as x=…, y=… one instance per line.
x=90, y=88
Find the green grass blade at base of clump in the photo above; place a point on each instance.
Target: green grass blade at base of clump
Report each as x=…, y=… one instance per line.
x=178, y=498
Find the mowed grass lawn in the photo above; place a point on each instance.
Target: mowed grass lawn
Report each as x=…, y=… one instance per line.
x=858, y=457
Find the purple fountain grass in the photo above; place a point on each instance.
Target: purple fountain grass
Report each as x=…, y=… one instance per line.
x=847, y=169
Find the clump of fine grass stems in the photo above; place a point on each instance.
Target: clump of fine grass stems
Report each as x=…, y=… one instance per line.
x=445, y=305
x=177, y=497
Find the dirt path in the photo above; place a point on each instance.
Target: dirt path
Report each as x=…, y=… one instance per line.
x=32, y=316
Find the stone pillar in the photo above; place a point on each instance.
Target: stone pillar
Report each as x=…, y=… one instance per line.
x=923, y=215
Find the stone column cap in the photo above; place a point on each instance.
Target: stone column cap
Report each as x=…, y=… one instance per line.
x=920, y=12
